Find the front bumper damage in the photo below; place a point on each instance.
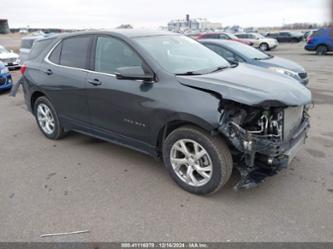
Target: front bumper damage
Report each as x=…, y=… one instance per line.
x=258, y=156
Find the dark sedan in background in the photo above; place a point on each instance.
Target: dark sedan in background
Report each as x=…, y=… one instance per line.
x=235, y=52
x=286, y=36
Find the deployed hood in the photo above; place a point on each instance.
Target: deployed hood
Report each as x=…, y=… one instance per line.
x=253, y=86
x=283, y=63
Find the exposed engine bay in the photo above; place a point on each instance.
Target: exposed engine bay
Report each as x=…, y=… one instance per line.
x=264, y=139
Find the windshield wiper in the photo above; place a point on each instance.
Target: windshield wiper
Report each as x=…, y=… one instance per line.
x=219, y=69
x=188, y=73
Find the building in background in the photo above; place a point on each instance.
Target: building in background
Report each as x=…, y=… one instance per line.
x=196, y=24
x=4, y=27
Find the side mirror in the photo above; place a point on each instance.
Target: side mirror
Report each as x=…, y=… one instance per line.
x=133, y=73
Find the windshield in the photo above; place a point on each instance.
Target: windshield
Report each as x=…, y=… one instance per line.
x=180, y=55
x=249, y=52
x=3, y=50
x=259, y=36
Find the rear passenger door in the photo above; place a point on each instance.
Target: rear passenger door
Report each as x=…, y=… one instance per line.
x=66, y=78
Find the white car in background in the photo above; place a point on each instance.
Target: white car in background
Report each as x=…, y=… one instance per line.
x=9, y=58
x=259, y=41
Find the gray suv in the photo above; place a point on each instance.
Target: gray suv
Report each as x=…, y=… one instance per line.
x=170, y=97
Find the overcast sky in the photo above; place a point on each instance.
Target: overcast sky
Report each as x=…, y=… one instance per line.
x=155, y=13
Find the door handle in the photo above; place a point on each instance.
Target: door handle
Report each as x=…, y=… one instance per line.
x=48, y=72
x=95, y=82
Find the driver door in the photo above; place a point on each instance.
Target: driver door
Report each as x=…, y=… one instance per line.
x=119, y=108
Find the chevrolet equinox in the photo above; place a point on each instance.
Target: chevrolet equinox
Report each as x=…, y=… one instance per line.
x=170, y=97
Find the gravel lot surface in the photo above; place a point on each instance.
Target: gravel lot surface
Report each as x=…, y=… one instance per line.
x=83, y=183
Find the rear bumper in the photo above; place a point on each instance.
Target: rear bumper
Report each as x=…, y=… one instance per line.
x=274, y=46
x=310, y=48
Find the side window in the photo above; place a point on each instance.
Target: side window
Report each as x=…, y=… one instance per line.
x=55, y=55
x=224, y=37
x=212, y=36
x=112, y=53
x=75, y=52
x=284, y=34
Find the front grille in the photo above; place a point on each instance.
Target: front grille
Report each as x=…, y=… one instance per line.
x=292, y=120
x=3, y=81
x=303, y=75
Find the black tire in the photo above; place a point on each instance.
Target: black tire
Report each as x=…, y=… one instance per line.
x=218, y=151
x=264, y=46
x=58, y=130
x=322, y=50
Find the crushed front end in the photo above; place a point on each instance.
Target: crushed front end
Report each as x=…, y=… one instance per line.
x=264, y=139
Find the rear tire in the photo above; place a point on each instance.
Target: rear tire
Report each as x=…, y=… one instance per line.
x=206, y=165
x=322, y=50
x=47, y=119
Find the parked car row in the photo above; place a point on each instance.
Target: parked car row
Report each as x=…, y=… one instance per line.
x=253, y=39
x=222, y=36
x=173, y=98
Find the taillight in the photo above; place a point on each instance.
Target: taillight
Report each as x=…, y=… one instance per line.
x=23, y=69
x=309, y=40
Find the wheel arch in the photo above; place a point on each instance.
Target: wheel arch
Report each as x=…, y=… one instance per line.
x=322, y=44
x=34, y=96
x=182, y=120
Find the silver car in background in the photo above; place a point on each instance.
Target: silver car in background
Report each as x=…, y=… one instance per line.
x=9, y=58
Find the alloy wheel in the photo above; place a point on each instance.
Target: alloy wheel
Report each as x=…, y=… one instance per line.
x=191, y=162
x=45, y=119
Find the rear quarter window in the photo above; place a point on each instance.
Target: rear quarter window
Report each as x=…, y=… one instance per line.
x=39, y=47
x=318, y=33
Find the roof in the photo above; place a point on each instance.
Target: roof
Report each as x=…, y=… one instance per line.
x=129, y=33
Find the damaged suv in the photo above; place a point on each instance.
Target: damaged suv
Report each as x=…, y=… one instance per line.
x=168, y=96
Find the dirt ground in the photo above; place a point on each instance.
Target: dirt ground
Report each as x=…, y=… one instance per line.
x=83, y=183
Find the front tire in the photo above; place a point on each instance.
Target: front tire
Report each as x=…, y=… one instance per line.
x=47, y=119
x=198, y=162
